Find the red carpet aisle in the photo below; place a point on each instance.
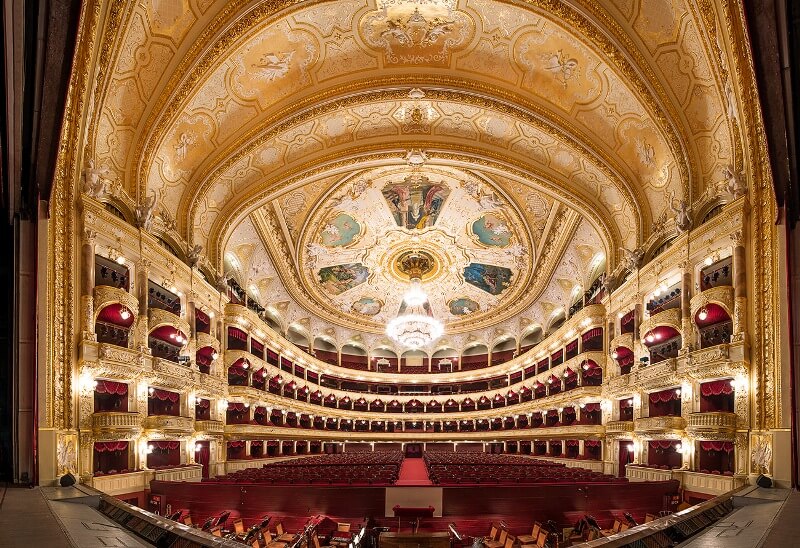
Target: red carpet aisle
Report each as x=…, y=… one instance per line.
x=413, y=472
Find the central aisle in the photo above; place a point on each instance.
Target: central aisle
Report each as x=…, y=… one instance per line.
x=413, y=472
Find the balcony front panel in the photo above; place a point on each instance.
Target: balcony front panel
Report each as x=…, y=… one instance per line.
x=661, y=374
x=105, y=295
x=670, y=317
x=710, y=484
x=619, y=426
x=593, y=465
x=159, y=316
x=121, y=484
x=204, y=340
x=722, y=295
x=189, y=472
x=712, y=422
x=646, y=425
x=180, y=426
x=209, y=428
x=119, y=425
x=258, y=432
x=643, y=473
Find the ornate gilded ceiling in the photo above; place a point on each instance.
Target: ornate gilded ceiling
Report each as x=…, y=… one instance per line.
x=548, y=134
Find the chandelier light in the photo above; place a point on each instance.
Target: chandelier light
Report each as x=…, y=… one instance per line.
x=415, y=326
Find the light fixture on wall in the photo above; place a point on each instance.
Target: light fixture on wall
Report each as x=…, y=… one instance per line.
x=703, y=314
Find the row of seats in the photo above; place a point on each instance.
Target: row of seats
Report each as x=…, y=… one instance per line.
x=379, y=468
x=477, y=468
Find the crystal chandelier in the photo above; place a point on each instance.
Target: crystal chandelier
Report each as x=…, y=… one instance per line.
x=415, y=326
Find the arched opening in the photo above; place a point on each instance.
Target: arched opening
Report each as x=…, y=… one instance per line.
x=504, y=350
x=663, y=342
x=113, y=325
x=354, y=357
x=414, y=361
x=167, y=342
x=297, y=337
x=444, y=360
x=530, y=339
x=475, y=357
x=326, y=351
x=384, y=360
x=714, y=325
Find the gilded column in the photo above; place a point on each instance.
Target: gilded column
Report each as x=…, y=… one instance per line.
x=638, y=347
x=191, y=347
x=87, y=284
x=739, y=286
x=140, y=330
x=687, y=335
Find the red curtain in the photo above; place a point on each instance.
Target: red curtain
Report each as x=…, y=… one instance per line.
x=237, y=371
x=552, y=413
x=726, y=446
x=593, y=372
x=715, y=388
x=260, y=410
x=591, y=408
x=203, y=404
x=165, y=445
x=592, y=333
x=257, y=346
x=233, y=406
x=572, y=346
x=624, y=404
x=662, y=444
x=164, y=395
x=103, y=446
x=664, y=396
x=573, y=443
x=570, y=373
x=569, y=410
x=111, y=387
x=236, y=444
x=541, y=363
x=203, y=456
x=256, y=443
x=556, y=355
x=237, y=334
x=591, y=443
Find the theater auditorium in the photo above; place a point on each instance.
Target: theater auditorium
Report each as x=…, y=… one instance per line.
x=399, y=273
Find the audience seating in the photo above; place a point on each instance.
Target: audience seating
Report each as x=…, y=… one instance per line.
x=378, y=468
x=482, y=468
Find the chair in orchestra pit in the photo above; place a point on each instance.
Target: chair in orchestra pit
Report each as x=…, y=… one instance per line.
x=533, y=537
x=216, y=531
x=510, y=539
x=648, y=518
x=541, y=542
x=315, y=541
x=269, y=541
x=493, y=532
x=187, y=520
x=500, y=542
x=238, y=528
x=613, y=531
x=281, y=535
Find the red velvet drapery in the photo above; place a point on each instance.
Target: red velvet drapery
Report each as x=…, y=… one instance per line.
x=664, y=396
x=715, y=388
x=591, y=443
x=591, y=407
x=592, y=333
x=104, y=446
x=165, y=445
x=111, y=387
x=662, y=444
x=164, y=395
x=235, y=406
x=719, y=446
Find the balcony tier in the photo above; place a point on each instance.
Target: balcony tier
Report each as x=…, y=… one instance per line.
x=179, y=426
x=647, y=425
x=619, y=426
x=116, y=424
x=714, y=422
x=209, y=428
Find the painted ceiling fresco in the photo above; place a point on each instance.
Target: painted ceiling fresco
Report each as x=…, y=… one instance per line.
x=302, y=143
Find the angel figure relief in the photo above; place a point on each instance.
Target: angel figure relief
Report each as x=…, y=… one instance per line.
x=562, y=66
x=274, y=65
x=144, y=212
x=94, y=180
x=683, y=221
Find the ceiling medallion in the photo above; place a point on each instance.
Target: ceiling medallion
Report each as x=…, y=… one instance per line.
x=415, y=326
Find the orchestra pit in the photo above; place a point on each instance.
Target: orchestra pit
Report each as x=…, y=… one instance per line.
x=399, y=273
